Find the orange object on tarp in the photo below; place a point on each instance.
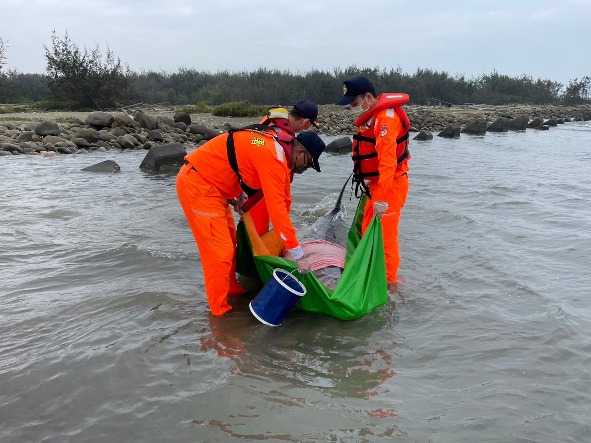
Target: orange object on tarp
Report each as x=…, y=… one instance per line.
x=361, y=288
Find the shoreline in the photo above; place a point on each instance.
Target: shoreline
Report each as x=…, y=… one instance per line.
x=149, y=126
x=335, y=121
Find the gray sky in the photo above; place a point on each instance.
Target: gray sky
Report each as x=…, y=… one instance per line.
x=544, y=38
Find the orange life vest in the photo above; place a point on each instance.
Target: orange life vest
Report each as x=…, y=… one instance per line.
x=365, y=156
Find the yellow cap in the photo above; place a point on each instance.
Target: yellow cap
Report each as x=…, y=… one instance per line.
x=278, y=113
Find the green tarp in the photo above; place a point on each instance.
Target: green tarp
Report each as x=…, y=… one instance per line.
x=361, y=288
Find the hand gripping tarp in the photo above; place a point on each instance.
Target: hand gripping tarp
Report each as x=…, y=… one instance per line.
x=361, y=288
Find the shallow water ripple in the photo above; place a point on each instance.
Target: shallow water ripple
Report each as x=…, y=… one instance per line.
x=106, y=336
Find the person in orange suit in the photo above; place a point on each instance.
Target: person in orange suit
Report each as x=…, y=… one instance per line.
x=218, y=172
x=286, y=124
x=380, y=157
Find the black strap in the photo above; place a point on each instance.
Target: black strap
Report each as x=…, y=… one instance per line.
x=231, y=150
x=254, y=127
x=367, y=174
x=359, y=186
x=403, y=138
x=404, y=156
x=364, y=156
x=363, y=138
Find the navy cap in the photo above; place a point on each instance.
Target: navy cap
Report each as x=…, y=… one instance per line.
x=354, y=87
x=306, y=109
x=313, y=144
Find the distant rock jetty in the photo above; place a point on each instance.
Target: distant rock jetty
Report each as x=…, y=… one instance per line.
x=144, y=129
x=101, y=131
x=469, y=119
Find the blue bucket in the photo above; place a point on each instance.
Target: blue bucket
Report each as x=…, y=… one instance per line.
x=279, y=295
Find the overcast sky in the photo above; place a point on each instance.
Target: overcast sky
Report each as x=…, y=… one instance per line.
x=543, y=38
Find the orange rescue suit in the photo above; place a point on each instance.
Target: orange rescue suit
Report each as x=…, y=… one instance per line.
x=205, y=184
x=382, y=143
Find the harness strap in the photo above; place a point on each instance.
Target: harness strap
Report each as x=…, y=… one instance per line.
x=372, y=140
x=403, y=138
x=405, y=155
x=231, y=150
x=363, y=138
x=364, y=156
x=367, y=174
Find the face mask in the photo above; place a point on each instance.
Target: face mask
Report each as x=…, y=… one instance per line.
x=361, y=108
x=356, y=111
x=364, y=103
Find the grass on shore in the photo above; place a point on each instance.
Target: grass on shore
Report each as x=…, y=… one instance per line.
x=230, y=109
x=13, y=109
x=239, y=109
x=14, y=118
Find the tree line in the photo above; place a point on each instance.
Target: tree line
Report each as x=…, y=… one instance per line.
x=79, y=78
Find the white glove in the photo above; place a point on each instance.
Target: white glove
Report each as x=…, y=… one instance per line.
x=380, y=208
x=295, y=254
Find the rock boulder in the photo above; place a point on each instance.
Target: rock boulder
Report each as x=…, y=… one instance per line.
x=145, y=121
x=53, y=140
x=501, y=124
x=551, y=122
x=207, y=133
x=423, y=136
x=518, y=123
x=87, y=134
x=183, y=117
x=475, y=127
x=105, y=166
x=164, y=156
x=450, y=132
x=47, y=128
x=342, y=145
x=536, y=123
x=26, y=136
x=11, y=147
x=165, y=122
x=121, y=119
x=127, y=141
x=180, y=125
x=98, y=119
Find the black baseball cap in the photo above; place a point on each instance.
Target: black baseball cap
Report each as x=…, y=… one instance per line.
x=354, y=87
x=306, y=109
x=313, y=144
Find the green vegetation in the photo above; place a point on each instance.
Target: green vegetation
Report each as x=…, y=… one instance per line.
x=82, y=79
x=16, y=119
x=239, y=109
x=197, y=108
x=12, y=109
x=577, y=91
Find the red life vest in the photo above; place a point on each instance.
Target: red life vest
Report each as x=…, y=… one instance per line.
x=365, y=156
x=283, y=133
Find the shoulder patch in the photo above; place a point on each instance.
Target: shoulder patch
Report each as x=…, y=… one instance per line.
x=257, y=141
